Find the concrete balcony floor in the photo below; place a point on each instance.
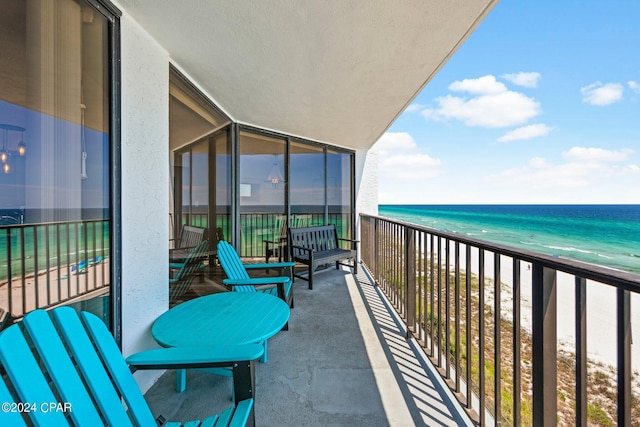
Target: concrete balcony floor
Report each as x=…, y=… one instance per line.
x=343, y=362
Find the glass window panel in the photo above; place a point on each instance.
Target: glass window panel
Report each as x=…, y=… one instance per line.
x=54, y=155
x=339, y=191
x=306, y=185
x=262, y=191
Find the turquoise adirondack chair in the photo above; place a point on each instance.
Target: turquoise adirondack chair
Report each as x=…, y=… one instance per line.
x=66, y=369
x=239, y=280
x=185, y=272
x=238, y=277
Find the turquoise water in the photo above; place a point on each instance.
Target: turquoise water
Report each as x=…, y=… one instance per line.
x=607, y=235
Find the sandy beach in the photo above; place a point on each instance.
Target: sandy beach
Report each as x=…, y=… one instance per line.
x=601, y=309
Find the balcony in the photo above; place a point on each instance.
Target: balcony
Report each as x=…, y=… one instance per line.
x=343, y=361
x=349, y=356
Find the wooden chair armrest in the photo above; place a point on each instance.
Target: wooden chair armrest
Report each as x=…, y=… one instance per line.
x=256, y=281
x=194, y=357
x=349, y=240
x=267, y=265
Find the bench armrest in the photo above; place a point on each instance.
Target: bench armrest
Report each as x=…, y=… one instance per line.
x=264, y=266
x=257, y=281
x=194, y=357
x=354, y=243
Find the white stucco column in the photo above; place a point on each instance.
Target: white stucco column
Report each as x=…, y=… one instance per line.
x=145, y=180
x=366, y=184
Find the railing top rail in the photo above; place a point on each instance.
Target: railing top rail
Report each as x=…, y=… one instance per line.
x=53, y=223
x=610, y=276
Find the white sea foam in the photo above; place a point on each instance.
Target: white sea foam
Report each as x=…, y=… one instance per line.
x=568, y=249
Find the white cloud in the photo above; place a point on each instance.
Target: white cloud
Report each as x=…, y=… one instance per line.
x=414, y=108
x=393, y=142
x=480, y=86
x=583, y=167
x=592, y=154
x=601, y=94
x=523, y=79
x=634, y=86
x=526, y=132
x=494, y=106
x=400, y=159
x=492, y=111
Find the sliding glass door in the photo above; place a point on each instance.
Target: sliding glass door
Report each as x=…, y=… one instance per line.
x=262, y=189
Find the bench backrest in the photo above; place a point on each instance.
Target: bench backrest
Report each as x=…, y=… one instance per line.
x=190, y=236
x=320, y=238
x=59, y=356
x=185, y=275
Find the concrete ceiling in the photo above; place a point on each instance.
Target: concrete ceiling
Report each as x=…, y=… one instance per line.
x=338, y=71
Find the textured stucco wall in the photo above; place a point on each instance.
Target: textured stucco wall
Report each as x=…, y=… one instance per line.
x=366, y=184
x=145, y=196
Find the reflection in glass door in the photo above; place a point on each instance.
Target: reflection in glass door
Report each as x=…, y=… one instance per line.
x=262, y=192
x=307, y=196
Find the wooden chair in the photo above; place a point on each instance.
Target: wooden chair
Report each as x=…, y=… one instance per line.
x=190, y=236
x=63, y=368
x=238, y=278
x=185, y=272
x=278, y=246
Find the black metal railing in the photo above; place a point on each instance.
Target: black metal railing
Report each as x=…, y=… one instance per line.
x=260, y=226
x=43, y=265
x=467, y=303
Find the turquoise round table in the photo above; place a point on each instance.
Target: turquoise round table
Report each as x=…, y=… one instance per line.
x=219, y=319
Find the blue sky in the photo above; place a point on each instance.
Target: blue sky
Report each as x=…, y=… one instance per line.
x=540, y=105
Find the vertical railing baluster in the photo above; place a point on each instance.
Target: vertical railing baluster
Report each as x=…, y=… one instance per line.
x=447, y=310
x=23, y=268
x=47, y=261
x=581, y=350
x=410, y=273
x=68, y=245
x=624, y=356
x=10, y=307
x=422, y=291
x=432, y=296
x=481, y=367
x=496, y=340
x=439, y=292
x=58, y=265
x=517, y=378
x=36, y=284
x=469, y=331
x=544, y=342
x=94, y=256
x=457, y=296
x=77, y=242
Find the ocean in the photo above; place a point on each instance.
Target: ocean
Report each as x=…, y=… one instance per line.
x=607, y=235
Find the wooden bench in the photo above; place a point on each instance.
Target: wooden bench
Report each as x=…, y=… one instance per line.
x=315, y=246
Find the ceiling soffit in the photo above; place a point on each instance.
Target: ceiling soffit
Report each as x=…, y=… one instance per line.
x=337, y=72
